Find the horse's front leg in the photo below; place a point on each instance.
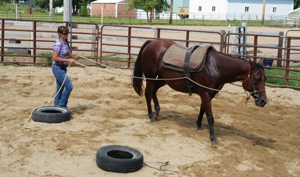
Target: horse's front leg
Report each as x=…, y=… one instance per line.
x=200, y=117
x=202, y=111
x=206, y=103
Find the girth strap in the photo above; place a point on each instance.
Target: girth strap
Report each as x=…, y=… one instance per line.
x=187, y=68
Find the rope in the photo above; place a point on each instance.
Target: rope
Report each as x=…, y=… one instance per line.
x=164, y=164
x=50, y=98
x=144, y=79
x=127, y=75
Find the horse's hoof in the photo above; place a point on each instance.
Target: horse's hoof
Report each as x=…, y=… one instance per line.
x=199, y=129
x=153, y=120
x=213, y=139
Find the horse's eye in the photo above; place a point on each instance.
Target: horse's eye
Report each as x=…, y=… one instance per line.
x=257, y=80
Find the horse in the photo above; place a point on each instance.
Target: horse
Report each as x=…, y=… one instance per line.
x=218, y=70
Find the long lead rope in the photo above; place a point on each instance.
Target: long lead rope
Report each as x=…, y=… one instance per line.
x=144, y=78
x=164, y=164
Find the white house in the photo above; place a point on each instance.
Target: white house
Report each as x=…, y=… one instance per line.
x=239, y=9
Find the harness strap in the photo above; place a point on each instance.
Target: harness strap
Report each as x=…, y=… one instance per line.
x=186, y=68
x=254, y=90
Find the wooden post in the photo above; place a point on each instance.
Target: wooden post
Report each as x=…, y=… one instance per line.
x=194, y=20
x=256, y=21
x=279, y=51
x=223, y=32
x=263, y=13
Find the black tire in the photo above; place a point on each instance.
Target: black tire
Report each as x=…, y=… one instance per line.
x=51, y=114
x=117, y=158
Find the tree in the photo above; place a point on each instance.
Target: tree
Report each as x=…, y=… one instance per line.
x=45, y=3
x=59, y=3
x=148, y=6
x=297, y=4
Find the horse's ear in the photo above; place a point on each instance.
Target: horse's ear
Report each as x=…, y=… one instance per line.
x=261, y=61
x=252, y=64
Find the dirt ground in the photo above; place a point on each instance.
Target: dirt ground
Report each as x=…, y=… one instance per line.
x=253, y=141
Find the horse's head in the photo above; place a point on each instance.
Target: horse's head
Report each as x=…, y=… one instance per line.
x=255, y=83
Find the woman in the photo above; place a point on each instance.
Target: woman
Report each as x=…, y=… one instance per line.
x=61, y=59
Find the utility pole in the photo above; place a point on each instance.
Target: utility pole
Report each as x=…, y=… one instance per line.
x=51, y=10
x=263, y=13
x=68, y=17
x=171, y=12
x=66, y=10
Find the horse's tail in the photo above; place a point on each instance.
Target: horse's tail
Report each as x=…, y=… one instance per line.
x=138, y=71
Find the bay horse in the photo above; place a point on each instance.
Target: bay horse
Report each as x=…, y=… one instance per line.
x=218, y=69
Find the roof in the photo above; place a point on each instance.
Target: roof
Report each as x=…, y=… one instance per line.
x=106, y=1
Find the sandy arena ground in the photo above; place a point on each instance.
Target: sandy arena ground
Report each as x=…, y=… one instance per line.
x=253, y=141
x=105, y=109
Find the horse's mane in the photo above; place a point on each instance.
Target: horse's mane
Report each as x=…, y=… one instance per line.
x=256, y=67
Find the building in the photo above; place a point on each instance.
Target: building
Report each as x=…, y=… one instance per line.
x=117, y=9
x=239, y=9
x=114, y=8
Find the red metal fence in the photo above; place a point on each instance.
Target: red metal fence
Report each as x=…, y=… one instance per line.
x=118, y=46
x=32, y=41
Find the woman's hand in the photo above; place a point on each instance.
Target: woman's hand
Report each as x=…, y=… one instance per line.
x=70, y=61
x=70, y=55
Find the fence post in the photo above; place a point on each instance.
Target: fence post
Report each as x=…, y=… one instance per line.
x=223, y=32
x=94, y=38
x=34, y=41
x=31, y=36
x=155, y=32
x=2, y=39
x=256, y=20
x=234, y=40
x=244, y=24
x=279, y=51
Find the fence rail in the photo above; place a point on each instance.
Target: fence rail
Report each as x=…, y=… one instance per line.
x=119, y=45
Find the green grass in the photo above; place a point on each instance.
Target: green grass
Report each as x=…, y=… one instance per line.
x=277, y=81
x=42, y=14
x=47, y=60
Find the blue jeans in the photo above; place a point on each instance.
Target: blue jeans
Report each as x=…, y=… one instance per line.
x=62, y=97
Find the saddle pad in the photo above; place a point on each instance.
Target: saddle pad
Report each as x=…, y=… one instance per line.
x=174, y=58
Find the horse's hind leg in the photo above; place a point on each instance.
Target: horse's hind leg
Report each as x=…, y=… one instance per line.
x=148, y=96
x=158, y=84
x=151, y=89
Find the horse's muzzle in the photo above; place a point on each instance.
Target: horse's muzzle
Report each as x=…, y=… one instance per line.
x=259, y=100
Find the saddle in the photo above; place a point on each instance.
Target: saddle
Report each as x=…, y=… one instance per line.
x=185, y=60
